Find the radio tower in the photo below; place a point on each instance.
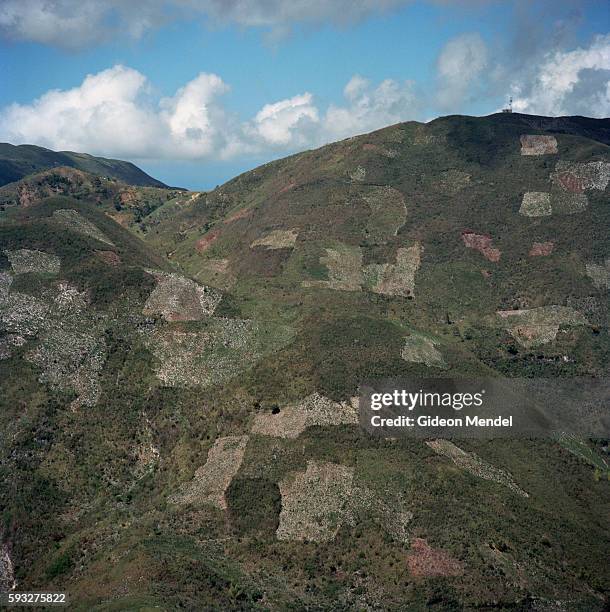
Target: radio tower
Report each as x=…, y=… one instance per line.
x=510, y=106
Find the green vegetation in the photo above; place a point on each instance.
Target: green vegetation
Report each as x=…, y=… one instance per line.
x=327, y=268
x=16, y=162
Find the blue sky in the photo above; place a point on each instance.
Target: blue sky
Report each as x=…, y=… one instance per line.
x=196, y=95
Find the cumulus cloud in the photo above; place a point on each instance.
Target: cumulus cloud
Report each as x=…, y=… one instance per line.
x=369, y=108
x=113, y=113
x=567, y=82
x=287, y=122
x=460, y=66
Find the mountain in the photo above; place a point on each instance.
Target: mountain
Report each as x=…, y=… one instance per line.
x=179, y=406
x=129, y=205
x=19, y=161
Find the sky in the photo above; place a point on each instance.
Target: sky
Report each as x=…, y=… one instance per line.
x=198, y=91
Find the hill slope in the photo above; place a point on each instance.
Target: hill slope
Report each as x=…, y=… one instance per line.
x=129, y=205
x=22, y=160
x=182, y=432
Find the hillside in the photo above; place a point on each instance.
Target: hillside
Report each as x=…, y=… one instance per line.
x=429, y=229
x=129, y=205
x=19, y=161
x=181, y=428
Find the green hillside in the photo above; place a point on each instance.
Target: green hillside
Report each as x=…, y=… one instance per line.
x=178, y=413
x=129, y=205
x=19, y=161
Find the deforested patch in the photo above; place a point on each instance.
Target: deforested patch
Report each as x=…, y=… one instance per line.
x=452, y=181
x=580, y=448
x=344, y=265
x=388, y=212
x=315, y=502
x=418, y=348
x=68, y=299
x=236, y=216
x=218, y=266
x=599, y=273
x=534, y=144
x=220, y=351
x=7, y=572
x=145, y=452
x=578, y=177
x=386, y=152
x=538, y=326
x=395, y=278
x=26, y=260
x=481, y=243
x=23, y=314
x=358, y=175
x=74, y=221
x=424, y=561
x=213, y=478
x=536, y=204
x=205, y=242
x=346, y=273
x=292, y=420
x=472, y=463
x=277, y=239
x=541, y=249
x=71, y=359
x=109, y=257
x=423, y=136
x=70, y=349
x=566, y=203
x=177, y=298
x=289, y=187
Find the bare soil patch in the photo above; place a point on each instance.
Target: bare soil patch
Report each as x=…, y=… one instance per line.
x=481, y=243
x=424, y=561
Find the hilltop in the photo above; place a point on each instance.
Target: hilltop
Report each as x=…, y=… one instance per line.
x=180, y=382
x=19, y=161
x=129, y=205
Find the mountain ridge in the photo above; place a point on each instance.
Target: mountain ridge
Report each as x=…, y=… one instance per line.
x=18, y=161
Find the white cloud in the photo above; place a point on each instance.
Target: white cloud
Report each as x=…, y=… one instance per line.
x=196, y=122
x=286, y=122
x=104, y=110
x=112, y=113
x=370, y=108
x=459, y=67
x=568, y=82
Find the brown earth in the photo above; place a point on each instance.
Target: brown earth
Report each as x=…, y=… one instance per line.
x=425, y=561
x=204, y=243
x=568, y=181
x=481, y=243
x=541, y=249
x=109, y=257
